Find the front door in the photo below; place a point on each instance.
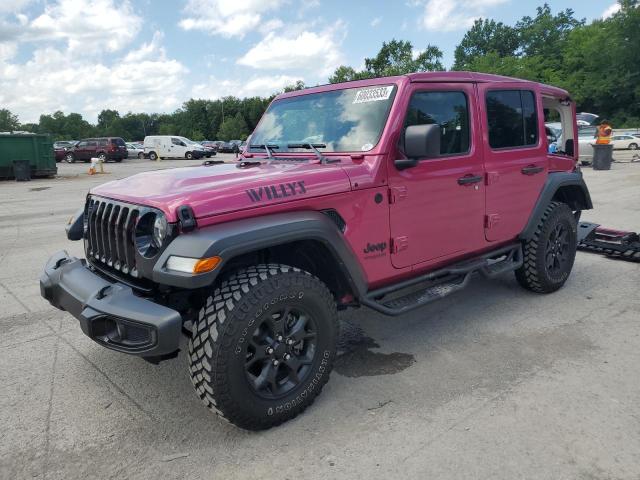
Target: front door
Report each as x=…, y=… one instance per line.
x=515, y=156
x=437, y=207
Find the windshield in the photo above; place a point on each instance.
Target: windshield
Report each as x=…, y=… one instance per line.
x=346, y=120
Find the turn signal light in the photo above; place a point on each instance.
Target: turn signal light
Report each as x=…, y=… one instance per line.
x=206, y=264
x=192, y=265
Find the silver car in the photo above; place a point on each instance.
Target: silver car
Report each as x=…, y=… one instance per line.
x=135, y=150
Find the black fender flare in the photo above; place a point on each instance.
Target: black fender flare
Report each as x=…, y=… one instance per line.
x=231, y=239
x=570, y=182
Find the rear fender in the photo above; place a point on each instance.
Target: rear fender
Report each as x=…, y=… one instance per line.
x=566, y=187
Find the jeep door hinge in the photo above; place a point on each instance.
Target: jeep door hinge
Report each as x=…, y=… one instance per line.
x=491, y=220
x=397, y=193
x=398, y=244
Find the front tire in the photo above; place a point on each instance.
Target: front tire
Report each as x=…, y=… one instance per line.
x=189, y=156
x=264, y=345
x=633, y=146
x=550, y=253
x=153, y=156
x=141, y=156
x=70, y=158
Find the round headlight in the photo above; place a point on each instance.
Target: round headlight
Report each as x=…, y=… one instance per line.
x=159, y=230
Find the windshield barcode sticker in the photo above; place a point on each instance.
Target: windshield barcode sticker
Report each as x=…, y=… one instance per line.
x=373, y=94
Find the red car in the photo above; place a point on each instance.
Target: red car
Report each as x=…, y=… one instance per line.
x=108, y=148
x=386, y=193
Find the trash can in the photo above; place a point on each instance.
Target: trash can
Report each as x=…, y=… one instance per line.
x=602, y=156
x=22, y=170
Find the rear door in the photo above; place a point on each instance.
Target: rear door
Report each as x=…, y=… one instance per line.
x=437, y=207
x=515, y=156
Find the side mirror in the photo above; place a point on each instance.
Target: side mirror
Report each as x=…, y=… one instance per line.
x=420, y=141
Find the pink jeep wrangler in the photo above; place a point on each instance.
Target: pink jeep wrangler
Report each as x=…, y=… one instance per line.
x=388, y=193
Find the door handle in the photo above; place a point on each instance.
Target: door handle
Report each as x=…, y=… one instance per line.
x=531, y=170
x=470, y=179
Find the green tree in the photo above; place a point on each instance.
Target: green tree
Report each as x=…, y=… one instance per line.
x=485, y=37
x=396, y=57
x=233, y=128
x=299, y=85
x=8, y=121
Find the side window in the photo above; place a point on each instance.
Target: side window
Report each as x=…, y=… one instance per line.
x=92, y=144
x=103, y=143
x=450, y=110
x=82, y=144
x=176, y=141
x=512, y=118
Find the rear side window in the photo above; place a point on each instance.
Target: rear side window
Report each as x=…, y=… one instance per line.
x=447, y=109
x=512, y=118
x=103, y=142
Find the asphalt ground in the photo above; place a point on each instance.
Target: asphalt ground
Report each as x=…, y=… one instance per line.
x=492, y=382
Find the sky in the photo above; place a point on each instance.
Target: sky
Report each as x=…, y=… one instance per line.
x=152, y=55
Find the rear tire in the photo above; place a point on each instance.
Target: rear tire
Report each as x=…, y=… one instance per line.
x=102, y=157
x=153, y=156
x=264, y=345
x=70, y=158
x=633, y=146
x=141, y=156
x=550, y=253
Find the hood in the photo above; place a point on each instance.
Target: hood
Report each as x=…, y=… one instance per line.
x=223, y=188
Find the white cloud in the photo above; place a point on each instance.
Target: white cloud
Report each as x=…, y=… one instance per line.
x=13, y=6
x=450, y=15
x=228, y=18
x=317, y=51
x=257, y=86
x=376, y=21
x=87, y=26
x=271, y=25
x=143, y=80
x=611, y=9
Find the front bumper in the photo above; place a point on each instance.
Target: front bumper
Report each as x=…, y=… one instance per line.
x=109, y=312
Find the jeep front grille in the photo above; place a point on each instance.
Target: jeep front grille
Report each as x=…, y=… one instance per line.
x=110, y=235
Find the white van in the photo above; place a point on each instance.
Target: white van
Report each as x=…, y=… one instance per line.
x=169, y=146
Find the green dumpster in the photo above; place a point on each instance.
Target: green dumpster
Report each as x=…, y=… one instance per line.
x=36, y=148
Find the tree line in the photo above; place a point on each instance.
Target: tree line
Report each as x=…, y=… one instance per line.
x=599, y=63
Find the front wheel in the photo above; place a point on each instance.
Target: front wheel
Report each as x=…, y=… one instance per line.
x=633, y=146
x=264, y=345
x=141, y=156
x=189, y=156
x=550, y=253
x=70, y=158
x=153, y=156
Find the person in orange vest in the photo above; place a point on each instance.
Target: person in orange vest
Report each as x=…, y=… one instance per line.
x=603, y=134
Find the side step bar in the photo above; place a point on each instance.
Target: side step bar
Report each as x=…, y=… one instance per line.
x=434, y=285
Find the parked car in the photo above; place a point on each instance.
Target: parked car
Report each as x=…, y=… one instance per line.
x=108, y=148
x=625, y=142
x=168, y=146
x=60, y=149
x=208, y=148
x=135, y=150
x=225, y=147
x=210, y=144
x=445, y=178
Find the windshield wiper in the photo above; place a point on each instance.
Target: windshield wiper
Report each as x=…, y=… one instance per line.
x=314, y=147
x=267, y=147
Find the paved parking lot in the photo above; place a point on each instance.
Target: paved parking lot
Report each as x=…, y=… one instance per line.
x=493, y=382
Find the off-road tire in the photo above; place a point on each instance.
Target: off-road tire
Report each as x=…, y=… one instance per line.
x=534, y=274
x=226, y=324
